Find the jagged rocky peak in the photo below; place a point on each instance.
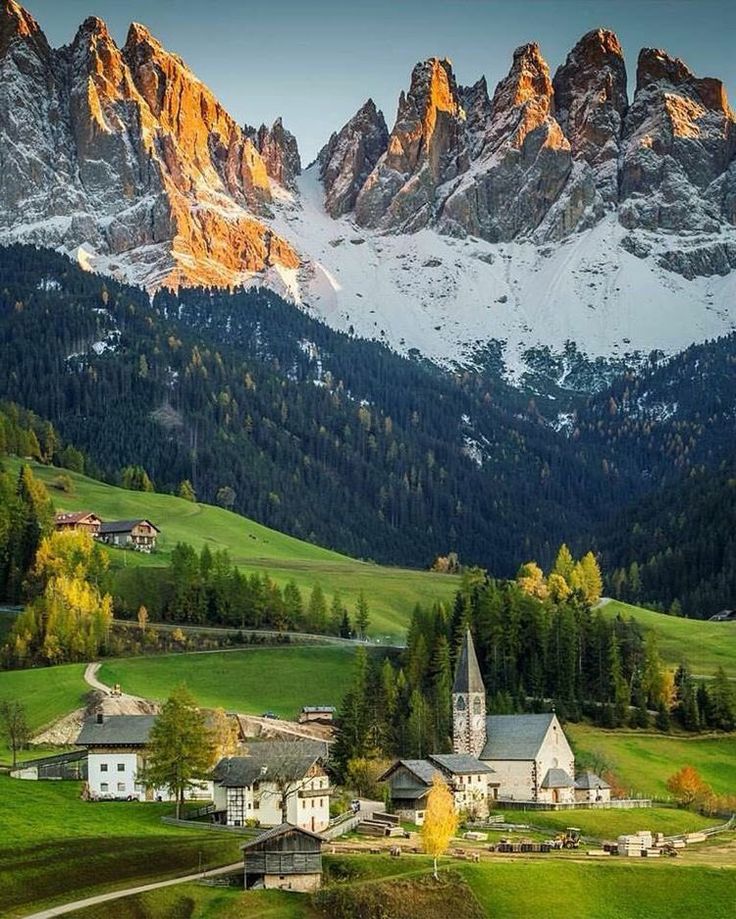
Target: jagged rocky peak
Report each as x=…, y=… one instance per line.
x=425, y=149
x=590, y=104
x=476, y=105
x=349, y=157
x=527, y=83
x=280, y=152
x=524, y=165
x=678, y=140
x=17, y=23
x=129, y=155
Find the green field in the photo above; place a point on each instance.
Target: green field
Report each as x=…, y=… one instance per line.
x=609, y=824
x=391, y=592
x=281, y=680
x=56, y=847
x=48, y=693
x=643, y=762
x=512, y=888
x=705, y=645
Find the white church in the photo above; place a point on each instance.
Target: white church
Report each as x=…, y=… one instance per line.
x=510, y=758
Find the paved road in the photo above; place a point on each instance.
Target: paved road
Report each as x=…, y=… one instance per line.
x=129, y=892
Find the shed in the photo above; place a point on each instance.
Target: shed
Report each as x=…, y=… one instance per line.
x=286, y=857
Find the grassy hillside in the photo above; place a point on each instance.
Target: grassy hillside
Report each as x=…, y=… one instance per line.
x=281, y=680
x=513, y=888
x=48, y=693
x=706, y=645
x=644, y=762
x=56, y=847
x=391, y=592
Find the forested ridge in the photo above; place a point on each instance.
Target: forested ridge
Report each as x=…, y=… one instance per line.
x=328, y=438
x=242, y=399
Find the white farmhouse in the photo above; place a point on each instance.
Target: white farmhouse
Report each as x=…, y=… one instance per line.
x=116, y=754
x=278, y=782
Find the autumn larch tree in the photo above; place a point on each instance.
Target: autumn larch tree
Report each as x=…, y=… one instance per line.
x=440, y=820
x=181, y=748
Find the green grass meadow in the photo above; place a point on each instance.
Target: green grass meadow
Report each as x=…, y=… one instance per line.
x=56, y=847
x=48, y=693
x=509, y=888
x=643, y=762
x=391, y=592
x=281, y=679
x=705, y=645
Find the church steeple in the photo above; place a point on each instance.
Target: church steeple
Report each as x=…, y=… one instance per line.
x=468, y=702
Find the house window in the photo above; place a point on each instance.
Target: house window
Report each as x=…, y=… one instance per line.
x=103, y=786
x=121, y=786
x=256, y=805
x=321, y=802
x=103, y=767
x=121, y=767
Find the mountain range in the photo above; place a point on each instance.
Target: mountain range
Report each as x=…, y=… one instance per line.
x=554, y=210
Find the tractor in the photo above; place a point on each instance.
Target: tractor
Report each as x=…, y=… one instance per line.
x=570, y=839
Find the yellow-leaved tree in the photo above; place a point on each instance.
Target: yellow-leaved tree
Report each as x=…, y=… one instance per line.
x=440, y=820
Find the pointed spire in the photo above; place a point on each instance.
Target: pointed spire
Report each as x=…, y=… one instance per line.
x=467, y=672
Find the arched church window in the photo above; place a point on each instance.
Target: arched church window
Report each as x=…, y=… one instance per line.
x=476, y=705
x=460, y=704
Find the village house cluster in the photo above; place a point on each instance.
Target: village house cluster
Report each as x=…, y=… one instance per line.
x=140, y=534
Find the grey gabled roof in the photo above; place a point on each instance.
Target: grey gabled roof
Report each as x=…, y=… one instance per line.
x=467, y=671
x=460, y=763
x=124, y=526
x=589, y=781
x=421, y=769
x=516, y=737
x=277, y=831
x=116, y=730
x=557, y=778
x=287, y=761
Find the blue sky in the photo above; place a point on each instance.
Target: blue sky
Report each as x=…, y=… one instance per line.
x=316, y=61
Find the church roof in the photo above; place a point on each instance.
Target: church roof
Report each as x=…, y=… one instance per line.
x=557, y=778
x=589, y=780
x=467, y=672
x=516, y=737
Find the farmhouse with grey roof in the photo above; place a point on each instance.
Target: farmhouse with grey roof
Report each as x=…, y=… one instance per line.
x=279, y=781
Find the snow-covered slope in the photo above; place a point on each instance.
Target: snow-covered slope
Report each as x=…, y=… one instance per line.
x=449, y=297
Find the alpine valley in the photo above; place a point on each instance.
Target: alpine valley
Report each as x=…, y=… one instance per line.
x=503, y=321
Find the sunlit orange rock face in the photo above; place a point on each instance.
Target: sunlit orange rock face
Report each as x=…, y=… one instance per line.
x=425, y=149
x=135, y=156
x=679, y=138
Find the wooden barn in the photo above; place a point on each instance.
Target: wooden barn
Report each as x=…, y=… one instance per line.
x=284, y=858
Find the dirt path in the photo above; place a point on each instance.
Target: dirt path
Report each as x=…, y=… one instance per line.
x=129, y=892
x=125, y=699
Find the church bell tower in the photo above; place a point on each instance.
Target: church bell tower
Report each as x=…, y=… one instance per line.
x=468, y=703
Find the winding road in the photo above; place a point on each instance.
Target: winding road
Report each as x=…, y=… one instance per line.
x=66, y=908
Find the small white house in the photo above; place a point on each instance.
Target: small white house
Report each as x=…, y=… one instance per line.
x=116, y=754
x=411, y=779
x=277, y=782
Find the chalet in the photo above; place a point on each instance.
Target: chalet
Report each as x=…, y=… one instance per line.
x=529, y=755
x=411, y=779
x=591, y=788
x=116, y=754
x=135, y=534
x=283, y=858
x=321, y=714
x=279, y=781
x=78, y=522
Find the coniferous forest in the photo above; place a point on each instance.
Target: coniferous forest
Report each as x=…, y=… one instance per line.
x=241, y=399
